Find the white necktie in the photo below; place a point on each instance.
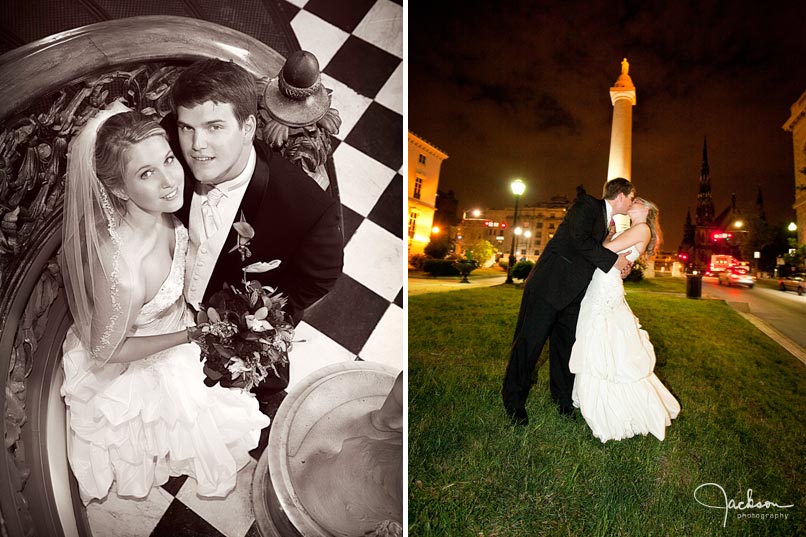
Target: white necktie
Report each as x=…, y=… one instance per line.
x=210, y=215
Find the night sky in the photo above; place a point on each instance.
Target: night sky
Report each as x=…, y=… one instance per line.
x=523, y=91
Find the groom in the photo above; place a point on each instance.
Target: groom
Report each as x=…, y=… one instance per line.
x=233, y=174
x=553, y=293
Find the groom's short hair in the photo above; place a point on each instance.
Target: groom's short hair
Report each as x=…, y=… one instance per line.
x=217, y=81
x=617, y=186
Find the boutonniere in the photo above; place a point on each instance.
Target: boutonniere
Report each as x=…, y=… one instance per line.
x=245, y=233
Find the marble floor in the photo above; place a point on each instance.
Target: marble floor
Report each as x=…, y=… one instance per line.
x=359, y=45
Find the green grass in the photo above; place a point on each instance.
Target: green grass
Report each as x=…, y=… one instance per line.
x=471, y=473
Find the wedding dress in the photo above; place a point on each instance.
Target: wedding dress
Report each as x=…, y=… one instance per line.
x=613, y=360
x=141, y=422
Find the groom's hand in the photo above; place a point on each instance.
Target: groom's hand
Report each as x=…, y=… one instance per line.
x=626, y=271
x=622, y=262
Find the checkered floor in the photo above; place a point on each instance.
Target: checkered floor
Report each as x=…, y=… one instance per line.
x=359, y=44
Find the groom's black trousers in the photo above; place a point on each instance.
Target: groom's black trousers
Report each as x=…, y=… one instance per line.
x=538, y=321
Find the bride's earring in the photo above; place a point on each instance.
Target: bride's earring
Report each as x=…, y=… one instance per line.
x=120, y=195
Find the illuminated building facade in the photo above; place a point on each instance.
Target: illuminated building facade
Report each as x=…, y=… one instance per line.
x=425, y=161
x=796, y=124
x=536, y=223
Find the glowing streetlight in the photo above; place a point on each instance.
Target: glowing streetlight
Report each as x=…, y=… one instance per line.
x=476, y=213
x=738, y=224
x=518, y=187
x=792, y=226
x=435, y=230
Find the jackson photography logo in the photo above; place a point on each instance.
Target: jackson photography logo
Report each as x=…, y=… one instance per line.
x=747, y=509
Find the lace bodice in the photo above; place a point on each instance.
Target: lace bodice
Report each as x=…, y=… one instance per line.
x=167, y=310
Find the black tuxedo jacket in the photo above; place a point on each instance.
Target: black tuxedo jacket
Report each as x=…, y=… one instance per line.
x=295, y=221
x=566, y=266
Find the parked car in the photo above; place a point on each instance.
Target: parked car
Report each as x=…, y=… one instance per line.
x=736, y=276
x=793, y=282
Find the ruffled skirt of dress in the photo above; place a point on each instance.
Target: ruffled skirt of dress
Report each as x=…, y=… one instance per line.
x=613, y=360
x=139, y=424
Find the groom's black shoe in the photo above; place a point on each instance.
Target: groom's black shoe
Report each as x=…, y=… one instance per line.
x=567, y=411
x=518, y=416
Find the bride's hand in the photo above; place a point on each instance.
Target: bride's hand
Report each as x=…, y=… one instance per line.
x=194, y=333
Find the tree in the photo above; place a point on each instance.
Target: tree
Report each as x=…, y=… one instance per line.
x=480, y=251
x=760, y=235
x=439, y=247
x=798, y=257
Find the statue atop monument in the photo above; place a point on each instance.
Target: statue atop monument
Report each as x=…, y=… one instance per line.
x=625, y=67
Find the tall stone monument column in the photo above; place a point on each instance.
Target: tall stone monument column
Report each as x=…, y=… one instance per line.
x=622, y=95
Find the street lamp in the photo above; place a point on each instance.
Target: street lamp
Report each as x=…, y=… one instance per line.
x=517, y=187
x=792, y=226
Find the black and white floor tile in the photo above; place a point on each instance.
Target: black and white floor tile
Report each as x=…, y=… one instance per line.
x=359, y=45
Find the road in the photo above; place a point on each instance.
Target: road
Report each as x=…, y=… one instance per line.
x=784, y=311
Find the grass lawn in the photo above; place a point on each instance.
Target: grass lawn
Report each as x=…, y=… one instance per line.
x=471, y=473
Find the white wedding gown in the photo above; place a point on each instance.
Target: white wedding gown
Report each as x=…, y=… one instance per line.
x=142, y=422
x=615, y=387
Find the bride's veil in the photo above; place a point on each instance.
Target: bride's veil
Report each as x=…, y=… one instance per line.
x=97, y=280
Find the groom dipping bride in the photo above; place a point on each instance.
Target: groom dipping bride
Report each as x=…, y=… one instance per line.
x=592, y=329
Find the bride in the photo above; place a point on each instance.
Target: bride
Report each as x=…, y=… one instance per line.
x=137, y=408
x=615, y=387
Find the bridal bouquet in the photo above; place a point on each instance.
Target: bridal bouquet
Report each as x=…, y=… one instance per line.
x=243, y=331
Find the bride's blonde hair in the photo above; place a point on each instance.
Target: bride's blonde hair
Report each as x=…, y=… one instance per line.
x=656, y=238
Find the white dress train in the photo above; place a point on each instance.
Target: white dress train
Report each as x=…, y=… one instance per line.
x=613, y=360
x=139, y=423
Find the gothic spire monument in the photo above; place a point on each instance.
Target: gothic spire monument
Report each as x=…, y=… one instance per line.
x=622, y=95
x=705, y=203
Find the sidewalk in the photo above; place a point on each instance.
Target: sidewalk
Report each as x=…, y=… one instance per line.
x=421, y=285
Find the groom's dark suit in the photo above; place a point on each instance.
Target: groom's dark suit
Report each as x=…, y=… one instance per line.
x=550, y=303
x=296, y=222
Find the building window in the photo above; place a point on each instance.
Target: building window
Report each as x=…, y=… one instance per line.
x=421, y=159
x=412, y=223
x=539, y=225
x=537, y=251
x=551, y=226
x=418, y=186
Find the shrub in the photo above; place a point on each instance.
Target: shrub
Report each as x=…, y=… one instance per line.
x=503, y=263
x=521, y=269
x=637, y=272
x=417, y=261
x=440, y=267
